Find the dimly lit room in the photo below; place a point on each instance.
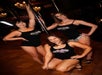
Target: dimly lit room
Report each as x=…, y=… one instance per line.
x=43, y=18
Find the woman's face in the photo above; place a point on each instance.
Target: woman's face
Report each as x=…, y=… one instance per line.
x=60, y=16
x=21, y=24
x=54, y=39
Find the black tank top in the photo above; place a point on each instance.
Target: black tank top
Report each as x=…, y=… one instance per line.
x=33, y=38
x=31, y=35
x=70, y=31
x=63, y=53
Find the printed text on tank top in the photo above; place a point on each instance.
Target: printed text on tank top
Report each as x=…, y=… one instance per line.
x=33, y=32
x=61, y=50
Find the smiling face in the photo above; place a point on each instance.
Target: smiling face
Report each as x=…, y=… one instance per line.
x=54, y=39
x=21, y=24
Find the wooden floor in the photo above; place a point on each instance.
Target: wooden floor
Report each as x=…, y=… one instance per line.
x=14, y=61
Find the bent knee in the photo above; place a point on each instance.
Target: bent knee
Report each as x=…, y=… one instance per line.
x=84, y=40
x=51, y=66
x=61, y=69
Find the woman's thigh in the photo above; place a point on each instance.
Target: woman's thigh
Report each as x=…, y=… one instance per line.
x=65, y=64
x=30, y=50
x=53, y=63
x=84, y=39
x=41, y=50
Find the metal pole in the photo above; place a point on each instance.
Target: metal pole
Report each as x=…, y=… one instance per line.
x=39, y=21
x=55, y=5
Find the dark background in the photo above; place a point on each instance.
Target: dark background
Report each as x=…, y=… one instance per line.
x=87, y=10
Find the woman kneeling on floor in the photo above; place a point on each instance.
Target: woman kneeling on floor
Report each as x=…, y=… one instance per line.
x=60, y=55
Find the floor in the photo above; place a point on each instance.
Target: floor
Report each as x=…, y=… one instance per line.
x=14, y=61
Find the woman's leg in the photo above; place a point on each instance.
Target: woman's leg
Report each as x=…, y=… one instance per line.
x=84, y=39
x=32, y=51
x=41, y=50
x=67, y=65
x=53, y=63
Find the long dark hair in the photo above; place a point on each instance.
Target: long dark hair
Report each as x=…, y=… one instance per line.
x=55, y=18
x=58, y=35
x=19, y=20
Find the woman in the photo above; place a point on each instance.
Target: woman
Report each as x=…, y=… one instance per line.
x=69, y=28
x=29, y=35
x=61, y=56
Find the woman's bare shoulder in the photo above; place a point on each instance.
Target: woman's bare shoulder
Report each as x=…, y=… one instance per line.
x=72, y=43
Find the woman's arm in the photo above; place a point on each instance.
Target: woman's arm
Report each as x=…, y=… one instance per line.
x=31, y=16
x=86, y=49
x=13, y=36
x=93, y=26
x=48, y=56
x=54, y=25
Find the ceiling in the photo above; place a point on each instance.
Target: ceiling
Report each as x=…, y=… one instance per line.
x=47, y=5
x=7, y=6
x=85, y=8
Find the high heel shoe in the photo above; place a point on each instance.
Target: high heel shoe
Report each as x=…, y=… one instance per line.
x=78, y=67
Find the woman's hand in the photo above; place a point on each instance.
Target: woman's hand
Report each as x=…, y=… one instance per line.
x=24, y=39
x=76, y=57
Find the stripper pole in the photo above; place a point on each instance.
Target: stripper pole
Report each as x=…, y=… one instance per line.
x=38, y=19
x=55, y=5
